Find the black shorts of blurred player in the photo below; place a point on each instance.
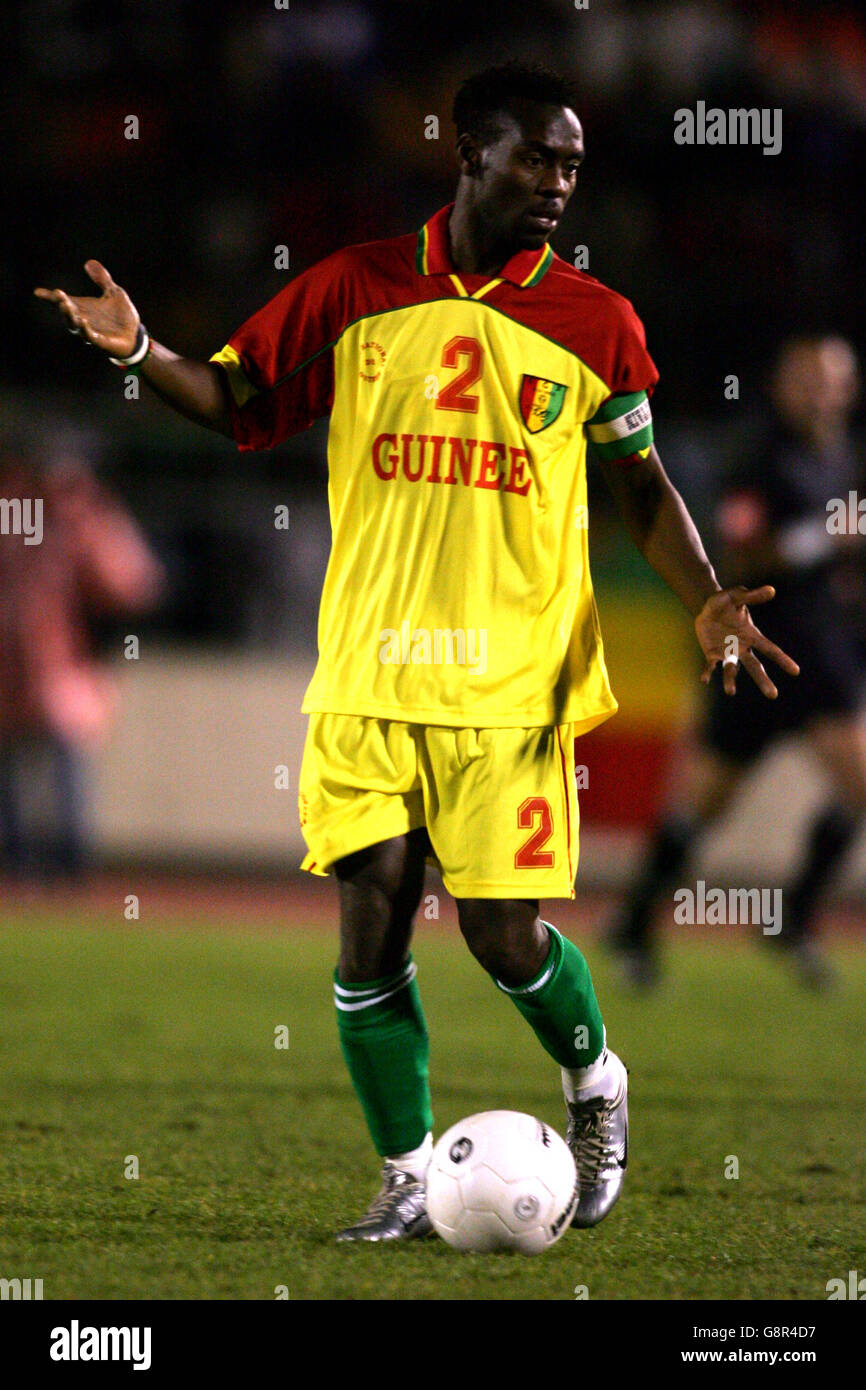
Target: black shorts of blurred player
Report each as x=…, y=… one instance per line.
x=821, y=706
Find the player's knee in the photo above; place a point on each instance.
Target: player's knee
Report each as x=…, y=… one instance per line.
x=360, y=961
x=510, y=947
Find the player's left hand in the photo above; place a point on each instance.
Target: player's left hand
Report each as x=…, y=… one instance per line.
x=725, y=616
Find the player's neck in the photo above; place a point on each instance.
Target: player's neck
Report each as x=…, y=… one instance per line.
x=473, y=250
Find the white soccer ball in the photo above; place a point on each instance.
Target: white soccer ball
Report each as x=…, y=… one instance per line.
x=501, y=1180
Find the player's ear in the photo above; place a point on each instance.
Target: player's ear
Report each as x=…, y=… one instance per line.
x=468, y=155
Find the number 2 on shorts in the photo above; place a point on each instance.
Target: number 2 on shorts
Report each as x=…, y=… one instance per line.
x=535, y=812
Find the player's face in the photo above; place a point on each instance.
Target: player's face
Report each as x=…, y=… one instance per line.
x=528, y=175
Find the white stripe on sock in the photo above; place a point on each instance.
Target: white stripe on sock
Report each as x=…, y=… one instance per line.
x=362, y=991
x=378, y=998
x=530, y=989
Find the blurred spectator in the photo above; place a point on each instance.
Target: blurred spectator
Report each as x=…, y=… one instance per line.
x=77, y=558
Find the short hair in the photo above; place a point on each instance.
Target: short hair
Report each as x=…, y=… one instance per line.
x=486, y=95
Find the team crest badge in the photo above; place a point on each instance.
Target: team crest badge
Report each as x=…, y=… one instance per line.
x=540, y=402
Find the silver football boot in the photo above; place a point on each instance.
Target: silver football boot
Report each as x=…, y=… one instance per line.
x=399, y=1212
x=597, y=1134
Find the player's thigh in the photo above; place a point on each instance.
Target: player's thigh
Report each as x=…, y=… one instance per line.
x=380, y=890
x=505, y=935
x=839, y=743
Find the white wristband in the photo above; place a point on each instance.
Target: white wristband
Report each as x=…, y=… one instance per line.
x=139, y=352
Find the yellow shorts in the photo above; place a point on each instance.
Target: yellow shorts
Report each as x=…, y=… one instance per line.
x=500, y=805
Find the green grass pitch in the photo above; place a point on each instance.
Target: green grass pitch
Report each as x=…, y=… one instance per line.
x=158, y=1042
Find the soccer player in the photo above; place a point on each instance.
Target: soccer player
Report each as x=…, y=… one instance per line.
x=463, y=367
x=773, y=518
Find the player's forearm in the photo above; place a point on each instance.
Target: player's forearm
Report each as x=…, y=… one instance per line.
x=197, y=390
x=674, y=549
x=658, y=522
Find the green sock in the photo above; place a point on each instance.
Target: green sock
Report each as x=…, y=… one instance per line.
x=384, y=1040
x=559, y=1003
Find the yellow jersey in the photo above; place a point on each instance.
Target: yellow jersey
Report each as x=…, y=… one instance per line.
x=458, y=589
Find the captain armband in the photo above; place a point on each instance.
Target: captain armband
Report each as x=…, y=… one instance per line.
x=622, y=427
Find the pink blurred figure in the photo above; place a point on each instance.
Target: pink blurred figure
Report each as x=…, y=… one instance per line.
x=75, y=555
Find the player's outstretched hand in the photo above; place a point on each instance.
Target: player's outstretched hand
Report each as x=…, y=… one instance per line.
x=724, y=617
x=109, y=322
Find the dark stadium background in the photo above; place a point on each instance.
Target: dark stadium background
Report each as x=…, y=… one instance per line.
x=306, y=128
x=138, y=1006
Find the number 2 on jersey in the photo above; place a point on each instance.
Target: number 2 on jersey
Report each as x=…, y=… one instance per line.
x=455, y=395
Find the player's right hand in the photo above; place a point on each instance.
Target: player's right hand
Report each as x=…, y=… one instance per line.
x=109, y=322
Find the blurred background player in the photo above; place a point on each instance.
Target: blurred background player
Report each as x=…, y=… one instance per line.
x=773, y=519
x=90, y=562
